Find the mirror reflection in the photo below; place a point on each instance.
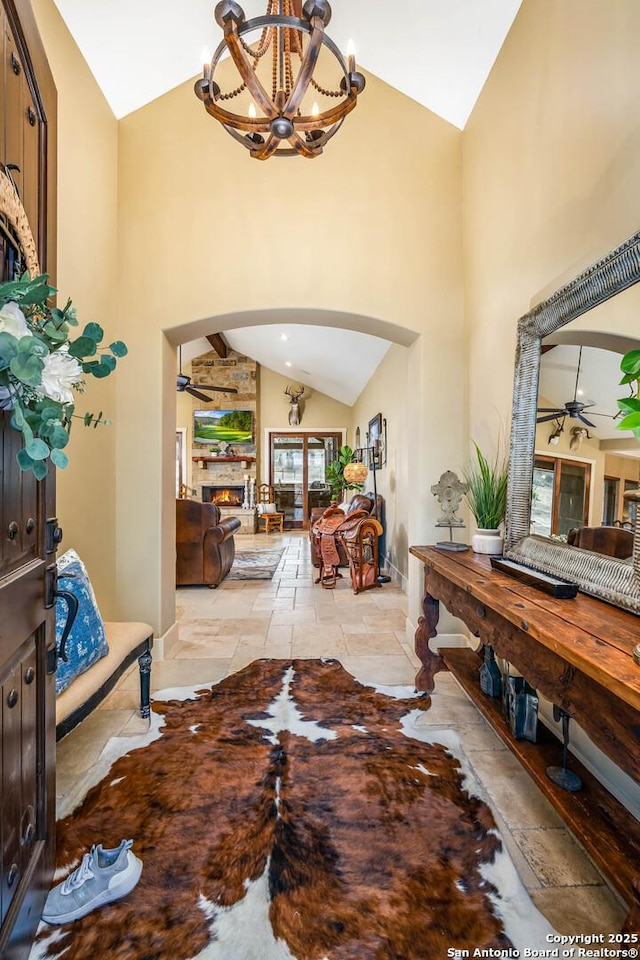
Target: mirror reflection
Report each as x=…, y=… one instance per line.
x=583, y=463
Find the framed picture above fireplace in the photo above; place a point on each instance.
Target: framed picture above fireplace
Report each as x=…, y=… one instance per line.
x=232, y=426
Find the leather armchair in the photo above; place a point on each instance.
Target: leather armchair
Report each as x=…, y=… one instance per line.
x=612, y=541
x=205, y=547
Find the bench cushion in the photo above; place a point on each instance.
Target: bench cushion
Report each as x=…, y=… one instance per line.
x=92, y=686
x=87, y=641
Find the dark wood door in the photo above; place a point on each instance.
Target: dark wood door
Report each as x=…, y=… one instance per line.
x=27, y=704
x=28, y=528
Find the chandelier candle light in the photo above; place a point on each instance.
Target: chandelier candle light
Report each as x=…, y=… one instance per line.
x=282, y=122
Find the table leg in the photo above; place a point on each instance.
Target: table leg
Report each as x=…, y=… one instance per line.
x=431, y=662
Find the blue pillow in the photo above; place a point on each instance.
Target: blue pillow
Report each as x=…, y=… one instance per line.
x=87, y=641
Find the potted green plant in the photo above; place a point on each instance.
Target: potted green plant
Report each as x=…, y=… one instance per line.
x=486, y=495
x=334, y=474
x=630, y=406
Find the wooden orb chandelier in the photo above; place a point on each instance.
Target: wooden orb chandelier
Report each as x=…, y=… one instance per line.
x=279, y=118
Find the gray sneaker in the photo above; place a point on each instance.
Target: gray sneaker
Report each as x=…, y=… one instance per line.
x=102, y=877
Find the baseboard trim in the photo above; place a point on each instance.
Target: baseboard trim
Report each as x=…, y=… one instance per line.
x=163, y=645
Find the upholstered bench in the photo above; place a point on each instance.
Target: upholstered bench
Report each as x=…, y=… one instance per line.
x=92, y=655
x=127, y=642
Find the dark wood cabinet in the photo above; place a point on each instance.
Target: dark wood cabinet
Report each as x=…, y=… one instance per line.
x=27, y=521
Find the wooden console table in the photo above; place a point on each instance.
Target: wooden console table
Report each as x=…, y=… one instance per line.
x=579, y=655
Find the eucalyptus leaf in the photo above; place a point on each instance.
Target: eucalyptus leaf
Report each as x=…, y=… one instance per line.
x=39, y=469
x=8, y=346
x=55, y=333
x=17, y=417
x=82, y=347
x=94, y=331
x=51, y=411
x=34, y=346
x=59, y=458
x=88, y=417
x=118, y=348
x=38, y=293
x=59, y=437
x=27, y=368
x=108, y=361
x=37, y=449
x=101, y=370
x=24, y=460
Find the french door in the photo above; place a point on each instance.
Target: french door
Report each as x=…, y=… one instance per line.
x=560, y=495
x=298, y=463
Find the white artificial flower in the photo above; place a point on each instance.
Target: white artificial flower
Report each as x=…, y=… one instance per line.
x=12, y=320
x=59, y=375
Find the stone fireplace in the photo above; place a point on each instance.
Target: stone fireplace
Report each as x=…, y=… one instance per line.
x=223, y=495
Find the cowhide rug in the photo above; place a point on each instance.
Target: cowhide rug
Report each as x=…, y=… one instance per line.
x=291, y=812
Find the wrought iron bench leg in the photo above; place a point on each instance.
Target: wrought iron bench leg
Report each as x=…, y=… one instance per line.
x=144, y=663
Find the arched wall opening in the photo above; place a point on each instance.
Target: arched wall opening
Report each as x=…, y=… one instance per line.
x=154, y=599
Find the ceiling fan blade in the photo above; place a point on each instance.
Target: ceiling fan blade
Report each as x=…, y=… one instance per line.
x=584, y=420
x=550, y=410
x=198, y=395
x=206, y=386
x=551, y=416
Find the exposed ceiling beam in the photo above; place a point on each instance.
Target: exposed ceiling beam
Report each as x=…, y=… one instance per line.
x=218, y=345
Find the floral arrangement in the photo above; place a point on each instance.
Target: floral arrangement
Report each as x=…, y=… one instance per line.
x=41, y=367
x=630, y=406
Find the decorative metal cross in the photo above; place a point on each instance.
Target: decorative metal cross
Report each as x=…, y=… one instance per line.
x=449, y=491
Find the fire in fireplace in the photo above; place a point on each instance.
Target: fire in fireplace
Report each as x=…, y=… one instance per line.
x=224, y=496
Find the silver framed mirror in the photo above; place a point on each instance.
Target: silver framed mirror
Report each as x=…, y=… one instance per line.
x=611, y=579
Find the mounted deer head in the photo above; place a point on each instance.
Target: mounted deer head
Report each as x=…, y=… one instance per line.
x=578, y=434
x=295, y=394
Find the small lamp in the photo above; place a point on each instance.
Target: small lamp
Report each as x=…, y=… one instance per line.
x=356, y=472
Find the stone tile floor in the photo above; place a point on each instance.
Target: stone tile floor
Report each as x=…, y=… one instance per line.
x=221, y=631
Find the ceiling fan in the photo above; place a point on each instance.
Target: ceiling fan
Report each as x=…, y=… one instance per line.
x=183, y=385
x=572, y=408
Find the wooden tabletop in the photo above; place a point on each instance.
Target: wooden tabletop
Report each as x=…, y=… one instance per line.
x=593, y=636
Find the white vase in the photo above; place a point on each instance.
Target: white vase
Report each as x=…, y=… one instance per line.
x=487, y=541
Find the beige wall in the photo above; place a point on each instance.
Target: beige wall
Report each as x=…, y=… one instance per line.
x=371, y=233
x=87, y=225
x=319, y=410
x=551, y=166
x=388, y=393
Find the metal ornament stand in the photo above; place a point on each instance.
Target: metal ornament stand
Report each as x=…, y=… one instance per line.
x=562, y=776
x=371, y=453
x=449, y=492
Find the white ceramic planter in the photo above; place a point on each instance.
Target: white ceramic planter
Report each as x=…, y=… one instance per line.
x=487, y=541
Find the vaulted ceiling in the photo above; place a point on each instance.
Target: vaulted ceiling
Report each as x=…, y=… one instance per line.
x=438, y=52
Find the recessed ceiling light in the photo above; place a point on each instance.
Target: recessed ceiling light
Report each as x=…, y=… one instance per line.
x=288, y=363
x=283, y=336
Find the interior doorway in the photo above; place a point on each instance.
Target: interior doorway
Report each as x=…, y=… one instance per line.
x=560, y=495
x=297, y=469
